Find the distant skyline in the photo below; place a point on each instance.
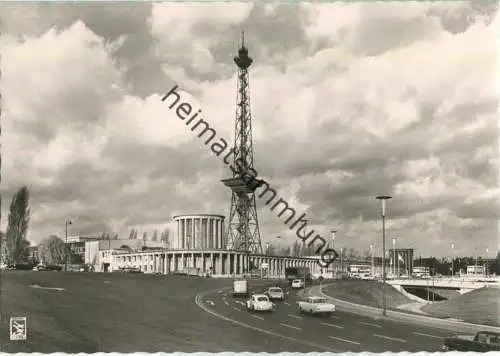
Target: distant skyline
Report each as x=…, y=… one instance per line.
x=349, y=101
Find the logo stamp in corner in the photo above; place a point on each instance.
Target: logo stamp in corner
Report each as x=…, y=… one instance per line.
x=18, y=328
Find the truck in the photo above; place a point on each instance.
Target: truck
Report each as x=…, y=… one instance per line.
x=303, y=273
x=483, y=341
x=240, y=288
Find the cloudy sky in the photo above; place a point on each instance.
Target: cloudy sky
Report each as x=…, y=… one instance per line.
x=348, y=102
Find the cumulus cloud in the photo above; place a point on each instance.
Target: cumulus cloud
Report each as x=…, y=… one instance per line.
x=349, y=101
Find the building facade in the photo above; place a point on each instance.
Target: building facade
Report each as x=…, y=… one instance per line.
x=76, y=244
x=216, y=263
x=200, y=231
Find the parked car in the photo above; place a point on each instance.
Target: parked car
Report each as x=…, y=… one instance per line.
x=317, y=306
x=483, y=341
x=275, y=293
x=259, y=302
x=297, y=283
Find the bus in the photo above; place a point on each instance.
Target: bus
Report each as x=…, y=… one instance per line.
x=292, y=273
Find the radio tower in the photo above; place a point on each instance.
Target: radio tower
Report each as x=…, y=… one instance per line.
x=243, y=227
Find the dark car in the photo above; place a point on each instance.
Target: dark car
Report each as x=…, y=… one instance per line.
x=483, y=341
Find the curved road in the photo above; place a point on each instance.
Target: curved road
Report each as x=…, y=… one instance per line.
x=342, y=332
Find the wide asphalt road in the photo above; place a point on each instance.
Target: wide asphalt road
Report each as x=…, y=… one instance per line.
x=341, y=332
x=120, y=313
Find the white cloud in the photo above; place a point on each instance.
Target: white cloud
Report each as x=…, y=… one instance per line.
x=337, y=120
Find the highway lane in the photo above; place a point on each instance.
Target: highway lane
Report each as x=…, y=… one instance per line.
x=99, y=312
x=341, y=332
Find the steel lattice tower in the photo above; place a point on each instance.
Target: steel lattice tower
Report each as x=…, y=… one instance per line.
x=243, y=226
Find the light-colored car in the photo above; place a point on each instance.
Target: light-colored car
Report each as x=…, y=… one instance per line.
x=297, y=283
x=275, y=293
x=316, y=305
x=259, y=302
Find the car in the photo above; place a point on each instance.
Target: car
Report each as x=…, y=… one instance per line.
x=316, y=306
x=275, y=293
x=483, y=341
x=297, y=283
x=260, y=302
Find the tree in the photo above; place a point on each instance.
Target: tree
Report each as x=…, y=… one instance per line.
x=17, y=228
x=131, y=235
x=296, y=249
x=165, y=236
x=155, y=236
x=51, y=250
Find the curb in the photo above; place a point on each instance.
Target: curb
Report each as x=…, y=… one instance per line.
x=411, y=318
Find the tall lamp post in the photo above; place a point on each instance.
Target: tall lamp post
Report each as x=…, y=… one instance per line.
x=383, y=199
x=166, y=236
x=394, y=258
x=341, y=262
x=486, y=263
x=333, y=234
x=452, y=258
x=66, y=223
x=373, y=262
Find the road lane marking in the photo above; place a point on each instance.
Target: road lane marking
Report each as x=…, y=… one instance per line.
x=344, y=340
x=107, y=282
x=369, y=324
x=389, y=338
x=49, y=288
x=335, y=317
x=287, y=303
x=225, y=302
x=295, y=316
x=428, y=335
x=332, y=325
x=198, y=302
x=290, y=326
x=237, y=309
x=219, y=291
x=258, y=317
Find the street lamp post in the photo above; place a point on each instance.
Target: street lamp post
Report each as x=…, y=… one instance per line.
x=166, y=236
x=452, y=260
x=373, y=262
x=333, y=234
x=383, y=199
x=486, y=263
x=66, y=223
x=394, y=258
x=341, y=261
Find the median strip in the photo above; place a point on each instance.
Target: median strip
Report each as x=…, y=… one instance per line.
x=344, y=340
x=389, y=338
x=290, y=326
x=332, y=325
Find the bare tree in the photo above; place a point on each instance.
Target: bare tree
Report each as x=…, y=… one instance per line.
x=165, y=236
